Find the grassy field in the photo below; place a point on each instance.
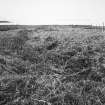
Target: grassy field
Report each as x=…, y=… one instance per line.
x=52, y=65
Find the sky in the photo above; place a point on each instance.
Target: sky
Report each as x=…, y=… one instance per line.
x=51, y=12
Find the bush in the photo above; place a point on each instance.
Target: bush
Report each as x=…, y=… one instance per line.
x=4, y=99
x=101, y=96
x=77, y=65
x=71, y=100
x=95, y=77
x=51, y=43
x=87, y=88
x=11, y=44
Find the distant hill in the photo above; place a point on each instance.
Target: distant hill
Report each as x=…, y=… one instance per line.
x=5, y=22
x=7, y=25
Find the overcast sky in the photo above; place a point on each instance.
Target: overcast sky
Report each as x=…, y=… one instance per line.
x=53, y=11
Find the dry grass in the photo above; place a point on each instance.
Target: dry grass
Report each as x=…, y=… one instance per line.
x=52, y=64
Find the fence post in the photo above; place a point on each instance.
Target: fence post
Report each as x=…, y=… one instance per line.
x=103, y=27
